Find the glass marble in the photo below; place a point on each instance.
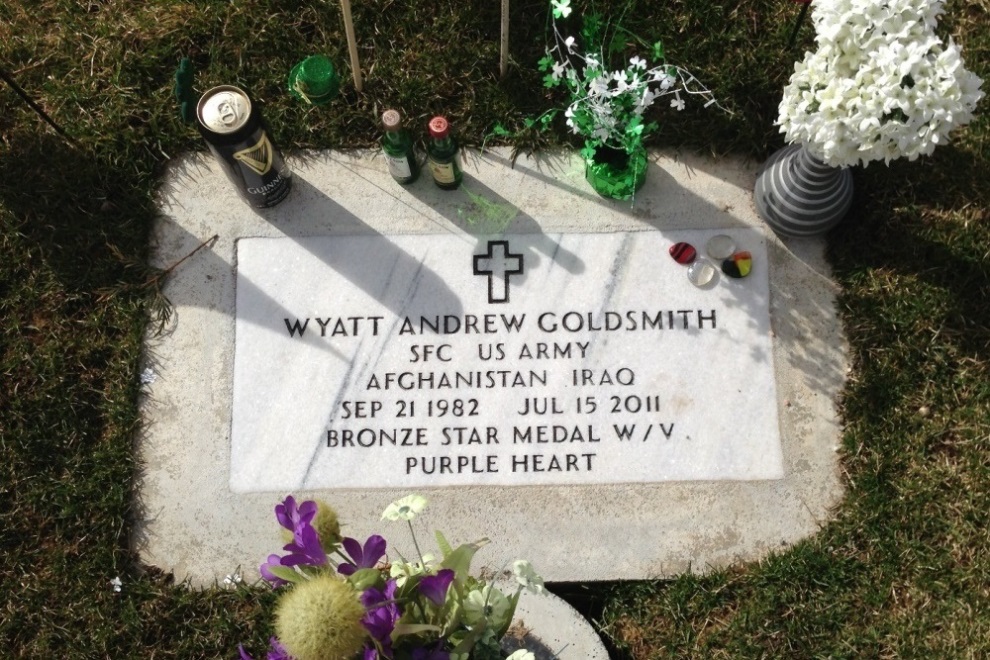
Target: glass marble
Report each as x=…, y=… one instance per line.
x=683, y=253
x=720, y=247
x=738, y=265
x=701, y=272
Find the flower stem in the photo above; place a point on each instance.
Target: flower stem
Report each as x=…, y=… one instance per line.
x=797, y=25
x=416, y=543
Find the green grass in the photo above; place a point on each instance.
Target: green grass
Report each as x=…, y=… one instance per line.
x=902, y=570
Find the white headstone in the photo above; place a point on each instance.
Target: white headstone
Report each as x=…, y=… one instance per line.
x=422, y=361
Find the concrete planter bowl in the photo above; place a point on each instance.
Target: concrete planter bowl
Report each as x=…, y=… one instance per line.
x=553, y=630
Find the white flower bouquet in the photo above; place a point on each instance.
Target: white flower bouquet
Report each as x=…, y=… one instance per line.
x=881, y=85
x=341, y=599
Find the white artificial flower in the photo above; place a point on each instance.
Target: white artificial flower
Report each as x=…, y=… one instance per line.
x=561, y=8
x=487, y=604
x=598, y=86
x=400, y=570
x=881, y=84
x=677, y=102
x=526, y=576
x=645, y=101
x=405, y=509
x=621, y=79
x=661, y=76
x=569, y=42
x=558, y=71
x=637, y=62
x=522, y=654
x=569, y=114
x=116, y=584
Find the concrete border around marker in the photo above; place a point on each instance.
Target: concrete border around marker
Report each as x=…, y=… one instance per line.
x=188, y=521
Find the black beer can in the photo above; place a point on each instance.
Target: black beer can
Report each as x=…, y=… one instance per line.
x=235, y=132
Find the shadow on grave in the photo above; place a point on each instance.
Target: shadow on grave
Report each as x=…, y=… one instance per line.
x=802, y=293
x=663, y=203
x=484, y=213
x=314, y=220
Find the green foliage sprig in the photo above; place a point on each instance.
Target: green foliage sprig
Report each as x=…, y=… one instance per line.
x=607, y=106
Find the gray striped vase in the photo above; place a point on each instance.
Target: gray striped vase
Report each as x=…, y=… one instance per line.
x=799, y=195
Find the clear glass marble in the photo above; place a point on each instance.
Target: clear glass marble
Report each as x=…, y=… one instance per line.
x=720, y=247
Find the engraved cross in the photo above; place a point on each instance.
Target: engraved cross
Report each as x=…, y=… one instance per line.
x=498, y=265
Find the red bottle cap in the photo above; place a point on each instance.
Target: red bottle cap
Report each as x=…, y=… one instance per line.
x=439, y=128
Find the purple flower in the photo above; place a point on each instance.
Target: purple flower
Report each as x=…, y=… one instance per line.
x=305, y=549
x=366, y=557
x=435, y=653
x=435, y=587
x=291, y=516
x=382, y=614
x=273, y=560
x=276, y=652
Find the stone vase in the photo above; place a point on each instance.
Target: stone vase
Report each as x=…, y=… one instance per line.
x=799, y=195
x=616, y=173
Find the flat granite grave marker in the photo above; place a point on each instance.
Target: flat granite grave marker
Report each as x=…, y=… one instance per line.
x=599, y=414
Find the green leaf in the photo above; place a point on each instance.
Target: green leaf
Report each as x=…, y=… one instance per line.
x=459, y=560
x=513, y=603
x=413, y=628
x=635, y=127
x=616, y=44
x=286, y=573
x=453, y=615
x=409, y=587
x=468, y=642
x=546, y=63
x=592, y=28
x=445, y=548
x=363, y=578
x=658, y=51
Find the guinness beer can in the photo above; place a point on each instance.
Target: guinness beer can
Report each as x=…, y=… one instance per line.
x=236, y=134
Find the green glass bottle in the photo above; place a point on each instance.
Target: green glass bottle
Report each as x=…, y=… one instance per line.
x=442, y=155
x=398, y=149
